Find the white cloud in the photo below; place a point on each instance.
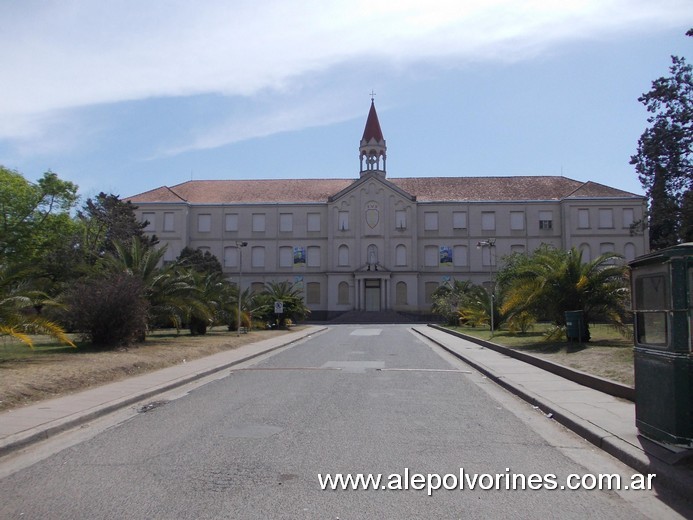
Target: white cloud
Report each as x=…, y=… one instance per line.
x=71, y=53
x=287, y=113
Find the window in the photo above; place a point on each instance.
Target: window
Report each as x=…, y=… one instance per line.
x=204, y=223
x=401, y=255
x=313, y=293
x=586, y=253
x=488, y=221
x=343, y=255
x=343, y=221
x=430, y=221
x=459, y=220
x=313, y=256
x=257, y=256
x=429, y=289
x=651, y=303
x=517, y=248
x=343, y=293
x=546, y=220
x=583, y=219
x=401, y=219
x=606, y=218
x=628, y=217
x=258, y=223
x=431, y=256
x=488, y=257
x=231, y=222
x=517, y=220
x=149, y=219
x=286, y=256
x=459, y=256
x=313, y=221
x=230, y=257
x=169, y=256
x=606, y=247
x=286, y=222
x=629, y=252
x=169, y=221
x=257, y=287
x=401, y=293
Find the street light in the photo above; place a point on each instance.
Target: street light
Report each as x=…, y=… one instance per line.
x=490, y=243
x=240, y=245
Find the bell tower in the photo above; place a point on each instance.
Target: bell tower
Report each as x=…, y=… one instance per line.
x=372, y=151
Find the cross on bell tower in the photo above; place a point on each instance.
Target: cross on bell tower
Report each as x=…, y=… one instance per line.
x=373, y=151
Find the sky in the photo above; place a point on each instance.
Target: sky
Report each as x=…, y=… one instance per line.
x=125, y=96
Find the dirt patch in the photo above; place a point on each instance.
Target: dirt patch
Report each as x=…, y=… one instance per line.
x=615, y=364
x=40, y=375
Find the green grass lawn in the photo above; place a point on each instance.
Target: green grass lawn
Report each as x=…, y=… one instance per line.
x=534, y=340
x=608, y=354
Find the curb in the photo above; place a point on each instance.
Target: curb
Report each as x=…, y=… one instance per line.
x=23, y=439
x=671, y=478
x=582, y=378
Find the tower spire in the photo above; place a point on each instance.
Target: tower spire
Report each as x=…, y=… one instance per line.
x=373, y=151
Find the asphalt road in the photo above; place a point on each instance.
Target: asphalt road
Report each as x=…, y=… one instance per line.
x=355, y=399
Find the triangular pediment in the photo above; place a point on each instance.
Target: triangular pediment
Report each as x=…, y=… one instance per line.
x=371, y=176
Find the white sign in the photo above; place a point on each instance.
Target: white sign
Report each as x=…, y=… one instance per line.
x=279, y=307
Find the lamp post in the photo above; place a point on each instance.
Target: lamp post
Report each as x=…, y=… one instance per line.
x=240, y=245
x=490, y=243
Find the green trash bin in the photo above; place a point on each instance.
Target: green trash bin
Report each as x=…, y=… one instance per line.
x=575, y=326
x=662, y=289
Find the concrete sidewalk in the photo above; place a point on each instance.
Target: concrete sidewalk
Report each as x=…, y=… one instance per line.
x=604, y=420
x=34, y=423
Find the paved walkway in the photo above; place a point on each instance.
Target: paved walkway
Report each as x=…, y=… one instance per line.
x=39, y=421
x=604, y=420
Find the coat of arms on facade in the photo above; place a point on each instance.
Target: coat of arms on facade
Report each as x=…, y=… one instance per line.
x=372, y=214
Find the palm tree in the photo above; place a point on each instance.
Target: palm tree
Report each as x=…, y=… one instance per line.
x=172, y=292
x=550, y=282
x=20, y=311
x=291, y=296
x=449, y=298
x=476, y=308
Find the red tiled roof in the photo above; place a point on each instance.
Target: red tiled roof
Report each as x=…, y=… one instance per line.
x=372, y=129
x=249, y=191
x=499, y=188
x=425, y=189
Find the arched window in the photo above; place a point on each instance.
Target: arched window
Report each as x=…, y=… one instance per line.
x=257, y=256
x=313, y=293
x=429, y=289
x=230, y=257
x=401, y=255
x=459, y=256
x=343, y=293
x=629, y=251
x=431, y=256
x=401, y=293
x=343, y=255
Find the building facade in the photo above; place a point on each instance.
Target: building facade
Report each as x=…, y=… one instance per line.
x=377, y=243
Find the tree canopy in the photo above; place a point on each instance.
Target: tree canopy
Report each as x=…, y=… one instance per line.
x=549, y=282
x=34, y=217
x=664, y=157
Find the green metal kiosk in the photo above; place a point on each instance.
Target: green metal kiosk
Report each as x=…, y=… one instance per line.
x=662, y=284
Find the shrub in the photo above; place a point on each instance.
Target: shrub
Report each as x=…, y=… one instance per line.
x=109, y=311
